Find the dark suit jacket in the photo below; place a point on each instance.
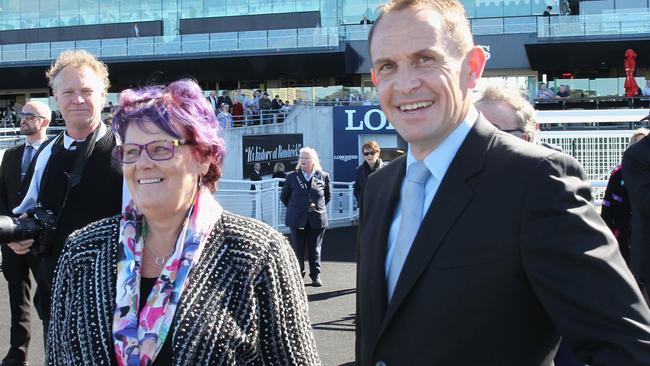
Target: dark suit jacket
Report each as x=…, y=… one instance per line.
x=498, y=270
x=297, y=199
x=636, y=170
x=12, y=190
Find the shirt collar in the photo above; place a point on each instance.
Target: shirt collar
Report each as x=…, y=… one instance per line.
x=67, y=140
x=36, y=144
x=440, y=158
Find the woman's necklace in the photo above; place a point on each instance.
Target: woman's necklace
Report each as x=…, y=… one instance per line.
x=160, y=259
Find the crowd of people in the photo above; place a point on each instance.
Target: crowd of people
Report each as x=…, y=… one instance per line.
x=478, y=238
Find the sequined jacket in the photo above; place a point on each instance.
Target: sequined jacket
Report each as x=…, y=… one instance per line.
x=244, y=304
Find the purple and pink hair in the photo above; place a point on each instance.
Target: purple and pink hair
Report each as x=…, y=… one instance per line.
x=180, y=110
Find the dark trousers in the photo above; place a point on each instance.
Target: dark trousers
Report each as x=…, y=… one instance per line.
x=15, y=269
x=310, y=239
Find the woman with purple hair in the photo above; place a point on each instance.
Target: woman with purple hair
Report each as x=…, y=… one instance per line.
x=175, y=279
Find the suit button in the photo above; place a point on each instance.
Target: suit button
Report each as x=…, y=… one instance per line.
x=380, y=363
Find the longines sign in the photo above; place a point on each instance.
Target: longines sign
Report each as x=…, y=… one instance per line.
x=349, y=123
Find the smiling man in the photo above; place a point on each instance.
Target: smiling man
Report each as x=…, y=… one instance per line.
x=73, y=174
x=478, y=248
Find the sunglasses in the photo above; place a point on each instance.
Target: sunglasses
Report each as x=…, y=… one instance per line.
x=158, y=150
x=368, y=153
x=27, y=116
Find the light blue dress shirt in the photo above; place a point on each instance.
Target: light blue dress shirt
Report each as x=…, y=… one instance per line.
x=438, y=162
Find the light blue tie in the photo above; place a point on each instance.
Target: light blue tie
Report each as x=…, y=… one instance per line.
x=412, y=204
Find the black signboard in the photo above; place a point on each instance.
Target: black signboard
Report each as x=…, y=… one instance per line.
x=269, y=150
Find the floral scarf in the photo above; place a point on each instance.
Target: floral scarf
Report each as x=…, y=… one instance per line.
x=138, y=339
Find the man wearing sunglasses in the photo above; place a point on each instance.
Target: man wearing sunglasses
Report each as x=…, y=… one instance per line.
x=73, y=173
x=510, y=112
x=14, y=180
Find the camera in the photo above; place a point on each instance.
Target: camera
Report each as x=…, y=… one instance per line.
x=39, y=225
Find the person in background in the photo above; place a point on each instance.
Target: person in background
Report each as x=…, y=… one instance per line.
x=645, y=91
x=224, y=117
x=238, y=110
x=636, y=171
x=564, y=92
x=544, y=92
x=15, y=175
x=306, y=192
x=616, y=211
x=547, y=12
x=74, y=173
x=371, y=164
x=175, y=279
x=278, y=172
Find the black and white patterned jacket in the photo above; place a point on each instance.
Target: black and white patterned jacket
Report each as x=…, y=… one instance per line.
x=244, y=304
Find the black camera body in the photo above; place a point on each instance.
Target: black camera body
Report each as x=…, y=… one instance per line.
x=40, y=225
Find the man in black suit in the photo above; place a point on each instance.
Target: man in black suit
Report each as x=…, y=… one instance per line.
x=14, y=180
x=636, y=170
x=478, y=248
x=74, y=173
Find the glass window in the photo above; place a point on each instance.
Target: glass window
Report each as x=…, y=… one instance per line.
x=10, y=14
x=354, y=11
x=259, y=7
x=284, y=6
x=513, y=8
x=109, y=11
x=485, y=9
x=470, y=8
x=129, y=10
x=191, y=9
x=49, y=14
x=69, y=12
x=152, y=9
x=89, y=13
x=214, y=8
x=236, y=7
x=606, y=86
x=170, y=17
x=28, y=13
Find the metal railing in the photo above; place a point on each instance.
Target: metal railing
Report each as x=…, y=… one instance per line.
x=261, y=200
x=611, y=23
x=230, y=42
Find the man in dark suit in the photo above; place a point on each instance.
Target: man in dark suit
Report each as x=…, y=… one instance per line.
x=636, y=170
x=478, y=248
x=14, y=180
x=224, y=98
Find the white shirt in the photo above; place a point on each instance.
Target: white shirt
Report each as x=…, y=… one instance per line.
x=438, y=162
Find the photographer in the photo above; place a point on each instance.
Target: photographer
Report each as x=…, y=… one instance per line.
x=73, y=173
x=14, y=179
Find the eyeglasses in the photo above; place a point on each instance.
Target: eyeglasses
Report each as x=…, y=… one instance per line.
x=368, y=153
x=158, y=150
x=27, y=116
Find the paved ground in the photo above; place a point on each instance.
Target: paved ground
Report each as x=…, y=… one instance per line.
x=331, y=307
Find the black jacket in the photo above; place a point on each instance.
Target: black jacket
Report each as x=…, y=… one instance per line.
x=297, y=194
x=363, y=171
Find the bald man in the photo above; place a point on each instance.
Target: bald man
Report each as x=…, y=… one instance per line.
x=14, y=180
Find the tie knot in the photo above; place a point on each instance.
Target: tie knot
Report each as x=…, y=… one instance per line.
x=418, y=172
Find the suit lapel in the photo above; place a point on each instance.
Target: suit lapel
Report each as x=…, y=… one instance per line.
x=374, y=242
x=453, y=195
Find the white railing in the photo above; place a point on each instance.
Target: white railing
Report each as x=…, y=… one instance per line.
x=263, y=201
x=610, y=24
x=599, y=152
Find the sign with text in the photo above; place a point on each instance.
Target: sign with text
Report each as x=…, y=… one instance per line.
x=349, y=123
x=269, y=150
